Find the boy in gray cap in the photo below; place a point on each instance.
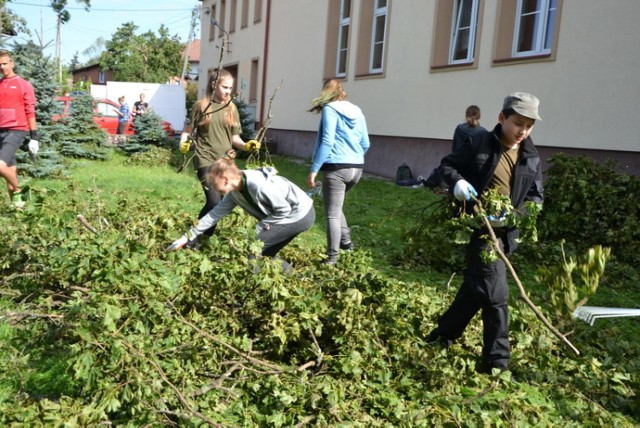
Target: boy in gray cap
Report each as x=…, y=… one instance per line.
x=504, y=158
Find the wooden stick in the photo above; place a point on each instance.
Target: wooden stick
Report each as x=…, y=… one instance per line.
x=496, y=246
x=86, y=224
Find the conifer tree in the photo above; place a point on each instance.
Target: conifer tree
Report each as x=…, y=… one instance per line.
x=39, y=70
x=246, y=121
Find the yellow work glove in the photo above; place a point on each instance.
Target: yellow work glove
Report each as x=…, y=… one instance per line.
x=252, y=146
x=185, y=143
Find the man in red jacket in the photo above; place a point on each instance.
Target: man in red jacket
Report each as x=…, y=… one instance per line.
x=17, y=117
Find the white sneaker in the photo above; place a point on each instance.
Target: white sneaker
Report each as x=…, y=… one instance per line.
x=17, y=200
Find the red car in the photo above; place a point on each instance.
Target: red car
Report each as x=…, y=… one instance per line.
x=106, y=117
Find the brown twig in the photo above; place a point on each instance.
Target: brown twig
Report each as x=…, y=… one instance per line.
x=175, y=389
x=450, y=280
x=318, y=351
x=496, y=246
x=255, y=361
x=306, y=420
x=255, y=156
x=217, y=384
x=306, y=366
x=267, y=120
x=185, y=162
x=21, y=315
x=86, y=224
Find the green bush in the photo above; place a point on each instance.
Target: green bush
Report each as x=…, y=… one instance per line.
x=588, y=204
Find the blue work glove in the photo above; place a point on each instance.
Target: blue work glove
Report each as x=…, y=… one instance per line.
x=188, y=239
x=497, y=220
x=463, y=191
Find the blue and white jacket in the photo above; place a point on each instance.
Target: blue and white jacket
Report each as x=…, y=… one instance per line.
x=342, y=138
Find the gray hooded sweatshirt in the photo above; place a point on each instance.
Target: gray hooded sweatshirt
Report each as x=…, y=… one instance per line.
x=274, y=200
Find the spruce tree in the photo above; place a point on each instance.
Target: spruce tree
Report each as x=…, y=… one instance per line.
x=246, y=121
x=39, y=70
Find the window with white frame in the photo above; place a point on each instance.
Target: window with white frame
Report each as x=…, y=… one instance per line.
x=535, y=23
x=102, y=78
x=378, y=36
x=463, y=34
x=343, y=37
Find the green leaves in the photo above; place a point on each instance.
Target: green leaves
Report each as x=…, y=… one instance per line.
x=588, y=203
x=147, y=57
x=574, y=281
x=140, y=337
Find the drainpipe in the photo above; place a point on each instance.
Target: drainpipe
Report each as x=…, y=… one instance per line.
x=265, y=57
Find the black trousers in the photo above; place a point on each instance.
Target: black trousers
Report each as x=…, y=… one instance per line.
x=484, y=288
x=212, y=198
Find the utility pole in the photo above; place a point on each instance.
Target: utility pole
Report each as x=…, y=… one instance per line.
x=195, y=15
x=59, y=47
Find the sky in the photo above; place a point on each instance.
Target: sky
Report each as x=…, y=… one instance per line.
x=102, y=20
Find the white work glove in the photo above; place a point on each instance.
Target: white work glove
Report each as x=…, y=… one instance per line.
x=463, y=191
x=497, y=220
x=187, y=239
x=34, y=146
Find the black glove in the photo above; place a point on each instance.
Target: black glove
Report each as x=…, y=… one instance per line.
x=33, y=134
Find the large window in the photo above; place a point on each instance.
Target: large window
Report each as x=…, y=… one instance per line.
x=343, y=37
x=253, y=83
x=244, y=18
x=212, y=28
x=378, y=36
x=535, y=24
x=464, y=29
x=527, y=31
x=233, y=17
x=223, y=16
x=257, y=11
x=456, y=34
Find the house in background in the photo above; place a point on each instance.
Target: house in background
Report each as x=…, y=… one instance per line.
x=193, y=60
x=414, y=66
x=92, y=73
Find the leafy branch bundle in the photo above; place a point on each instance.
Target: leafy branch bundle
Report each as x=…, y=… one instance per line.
x=106, y=328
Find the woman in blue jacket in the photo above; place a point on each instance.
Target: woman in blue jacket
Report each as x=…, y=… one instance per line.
x=339, y=153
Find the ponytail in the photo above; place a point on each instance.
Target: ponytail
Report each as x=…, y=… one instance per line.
x=472, y=116
x=223, y=166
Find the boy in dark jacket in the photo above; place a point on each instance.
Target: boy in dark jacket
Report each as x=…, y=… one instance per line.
x=504, y=158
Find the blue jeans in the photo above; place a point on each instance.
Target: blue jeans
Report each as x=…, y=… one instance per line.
x=335, y=185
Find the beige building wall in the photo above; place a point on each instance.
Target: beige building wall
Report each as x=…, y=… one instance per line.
x=589, y=88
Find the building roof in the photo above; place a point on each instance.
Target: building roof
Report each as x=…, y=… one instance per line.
x=194, y=51
x=87, y=68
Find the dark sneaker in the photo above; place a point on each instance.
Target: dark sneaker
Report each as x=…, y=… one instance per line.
x=330, y=261
x=194, y=245
x=487, y=368
x=347, y=247
x=434, y=339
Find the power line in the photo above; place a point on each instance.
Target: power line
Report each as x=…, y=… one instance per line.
x=100, y=9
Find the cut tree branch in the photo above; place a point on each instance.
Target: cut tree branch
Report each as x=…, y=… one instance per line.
x=86, y=224
x=496, y=246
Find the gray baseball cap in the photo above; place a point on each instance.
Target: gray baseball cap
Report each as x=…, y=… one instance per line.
x=523, y=103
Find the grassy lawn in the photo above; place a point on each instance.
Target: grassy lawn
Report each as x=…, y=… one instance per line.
x=378, y=212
